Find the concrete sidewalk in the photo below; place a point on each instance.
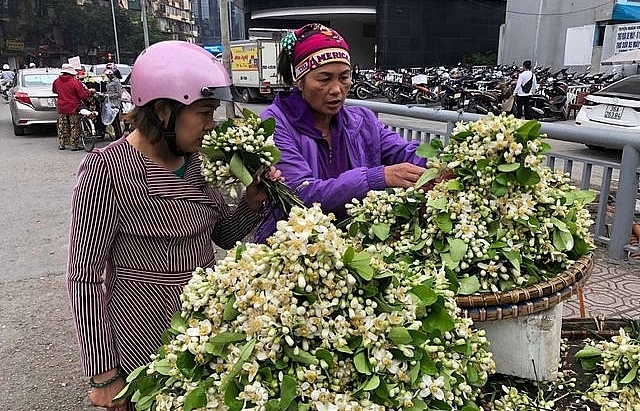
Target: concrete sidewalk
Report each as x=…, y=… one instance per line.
x=612, y=291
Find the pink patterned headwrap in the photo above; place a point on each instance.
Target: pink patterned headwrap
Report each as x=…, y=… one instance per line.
x=316, y=45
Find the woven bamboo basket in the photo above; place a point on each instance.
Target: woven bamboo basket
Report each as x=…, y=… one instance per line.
x=527, y=300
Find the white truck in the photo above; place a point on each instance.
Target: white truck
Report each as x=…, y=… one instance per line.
x=254, y=65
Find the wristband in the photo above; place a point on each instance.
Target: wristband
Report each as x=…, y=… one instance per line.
x=94, y=384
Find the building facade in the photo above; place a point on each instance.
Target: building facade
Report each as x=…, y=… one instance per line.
x=566, y=33
x=207, y=16
x=394, y=33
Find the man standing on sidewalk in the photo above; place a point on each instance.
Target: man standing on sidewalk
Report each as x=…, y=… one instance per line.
x=70, y=92
x=525, y=87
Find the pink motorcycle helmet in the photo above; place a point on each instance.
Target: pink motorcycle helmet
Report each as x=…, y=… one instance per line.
x=179, y=71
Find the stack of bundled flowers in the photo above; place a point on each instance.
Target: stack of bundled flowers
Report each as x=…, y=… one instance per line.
x=503, y=221
x=309, y=323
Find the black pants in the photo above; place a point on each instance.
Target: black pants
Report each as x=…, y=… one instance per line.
x=523, y=107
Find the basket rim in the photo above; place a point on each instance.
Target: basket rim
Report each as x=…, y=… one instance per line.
x=580, y=269
x=532, y=306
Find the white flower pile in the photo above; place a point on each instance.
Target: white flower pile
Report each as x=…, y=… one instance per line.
x=308, y=323
x=617, y=382
x=502, y=221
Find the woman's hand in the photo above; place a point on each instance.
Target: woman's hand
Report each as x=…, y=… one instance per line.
x=447, y=175
x=403, y=175
x=103, y=397
x=255, y=194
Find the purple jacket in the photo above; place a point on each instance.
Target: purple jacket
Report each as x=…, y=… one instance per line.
x=362, y=146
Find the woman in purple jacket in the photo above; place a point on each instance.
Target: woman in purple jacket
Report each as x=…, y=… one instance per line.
x=330, y=153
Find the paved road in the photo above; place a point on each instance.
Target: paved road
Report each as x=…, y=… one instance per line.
x=35, y=189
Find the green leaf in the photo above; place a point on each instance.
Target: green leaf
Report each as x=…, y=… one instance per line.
x=141, y=370
x=163, y=367
x=631, y=375
x=508, y=167
x=348, y=255
x=381, y=230
x=589, y=351
x=246, y=351
x=212, y=154
x=454, y=185
x=269, y=126
x=238, y=169
x=372, y=384
x=301, y=356
x=438, y=319
x=426, y=150
x=425, y=294
x=361, y=363
x=178, y=323
x=469, y=406
x=498, y=189
x=227, y=337
x=468, y=285
x=275, y=153
x=324, y=355
x=527, y=177
x=529, y=130
x=418, y=405
x=195, y=399
x=185, y=362
x=514, y=258
x=231, y=398
x=288, y=391
x=428, y=366
x=443, y=220
x=428, y=175
x=400, y=335
x=360, y=263
x=562, y=240
x=439, y=203
x=457, y=248
x=230, y=313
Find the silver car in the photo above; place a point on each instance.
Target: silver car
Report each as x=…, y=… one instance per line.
x=31, y=100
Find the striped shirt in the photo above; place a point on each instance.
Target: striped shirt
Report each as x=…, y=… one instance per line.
x=137, y=233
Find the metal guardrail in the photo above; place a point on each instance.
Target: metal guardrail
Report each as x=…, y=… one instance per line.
x=627, y=169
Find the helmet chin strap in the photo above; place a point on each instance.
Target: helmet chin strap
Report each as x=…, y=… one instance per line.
x=169, y=135
x=168, y=132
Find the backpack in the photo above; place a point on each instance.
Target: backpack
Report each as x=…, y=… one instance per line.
x=526, y=87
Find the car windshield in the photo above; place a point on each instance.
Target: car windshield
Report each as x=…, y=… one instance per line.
x=38, y=80
x=625, y=88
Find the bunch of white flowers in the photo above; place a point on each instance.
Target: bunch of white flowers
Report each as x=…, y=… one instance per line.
x=236, y=149
x=617, y=383
x=307, y=322
x=502, y=221
x=239, y=150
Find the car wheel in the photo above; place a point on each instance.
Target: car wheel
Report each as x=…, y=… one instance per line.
x=18, y=130
x=246, y=95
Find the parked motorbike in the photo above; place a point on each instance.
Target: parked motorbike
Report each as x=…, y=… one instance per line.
x=4, y=89
x=399, y=93
x=551, y=103
x=364, y=89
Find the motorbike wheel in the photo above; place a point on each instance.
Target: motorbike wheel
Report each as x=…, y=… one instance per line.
x=362, y=93
x=393, y=95
x=87, y=134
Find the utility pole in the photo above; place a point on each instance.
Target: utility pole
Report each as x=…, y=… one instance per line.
x=145, y=30
x=115, y=32
x=226, y=51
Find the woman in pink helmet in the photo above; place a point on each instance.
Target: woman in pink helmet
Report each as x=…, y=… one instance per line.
x=143, y=217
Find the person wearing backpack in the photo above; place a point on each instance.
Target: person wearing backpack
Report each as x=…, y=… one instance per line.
x=525, y=87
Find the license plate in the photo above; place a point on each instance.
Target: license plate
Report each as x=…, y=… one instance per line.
x=613, y=112
x=457, y=95
x=51, y=102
